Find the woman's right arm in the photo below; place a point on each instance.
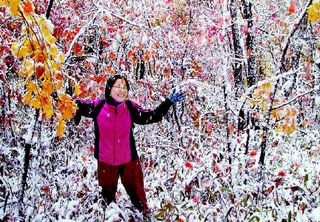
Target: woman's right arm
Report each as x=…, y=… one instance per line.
x=84, y=109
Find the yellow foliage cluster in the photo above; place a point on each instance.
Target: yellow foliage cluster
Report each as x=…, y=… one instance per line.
x=314, y=11
x=262, y=95
x=42, y=66
x=285, y=116
x=13, y=4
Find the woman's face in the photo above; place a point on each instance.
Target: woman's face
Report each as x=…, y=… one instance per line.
x=119, y=91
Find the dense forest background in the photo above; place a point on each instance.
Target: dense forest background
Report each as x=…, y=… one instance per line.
x=243, y=146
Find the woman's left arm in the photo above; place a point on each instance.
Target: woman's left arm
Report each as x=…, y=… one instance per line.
x=143, y=116
x=146, y=116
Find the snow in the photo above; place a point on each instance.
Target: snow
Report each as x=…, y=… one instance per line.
x=203, y=171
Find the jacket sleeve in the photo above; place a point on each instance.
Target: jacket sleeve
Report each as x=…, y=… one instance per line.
x=84, y=109
x=145, y=116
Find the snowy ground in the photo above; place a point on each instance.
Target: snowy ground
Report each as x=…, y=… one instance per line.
x=182, y=184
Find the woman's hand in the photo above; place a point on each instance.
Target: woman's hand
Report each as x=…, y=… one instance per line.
x=176, y=96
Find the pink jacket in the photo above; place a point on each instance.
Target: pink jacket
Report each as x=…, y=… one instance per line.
x=114, y=134
x=114, y=141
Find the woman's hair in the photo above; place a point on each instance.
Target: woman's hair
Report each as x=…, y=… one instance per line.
x=110, y=82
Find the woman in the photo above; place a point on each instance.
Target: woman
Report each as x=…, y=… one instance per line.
x=115, y=147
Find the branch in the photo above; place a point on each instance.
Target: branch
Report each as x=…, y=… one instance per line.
x=82, y=30
x=49, y=9
x=296, y=26
x=293, y=99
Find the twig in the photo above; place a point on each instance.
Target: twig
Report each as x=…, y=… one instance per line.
x=293, y=99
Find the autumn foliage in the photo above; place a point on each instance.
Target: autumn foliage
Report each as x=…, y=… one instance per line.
x=242, y=146
x=42, y=64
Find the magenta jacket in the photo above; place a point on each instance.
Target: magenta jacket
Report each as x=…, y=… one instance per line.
x=114, y=141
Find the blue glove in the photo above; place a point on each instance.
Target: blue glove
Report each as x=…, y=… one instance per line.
x=176, y=97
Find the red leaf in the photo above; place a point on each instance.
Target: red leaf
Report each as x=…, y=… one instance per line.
x=39, y=71
x=189, y=165
x=46, y=189
x=281, y=173
x=78, y=49
x=253, y=153
x=112, y=56
x=196, y=198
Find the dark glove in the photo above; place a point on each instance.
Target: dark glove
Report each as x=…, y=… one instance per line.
x=176, y=96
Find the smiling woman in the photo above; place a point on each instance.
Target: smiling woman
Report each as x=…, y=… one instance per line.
x=115, y=147
x=119, y=91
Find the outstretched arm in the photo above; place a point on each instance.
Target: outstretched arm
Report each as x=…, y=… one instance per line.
x=84, y=109
x=143, y=116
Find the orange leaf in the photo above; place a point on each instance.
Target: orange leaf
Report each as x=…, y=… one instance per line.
x=66, y=106
x=39, y=71
x=292, y=7
x=231, y=128
x=27, y=7
x=112, y=56
x=253, y=153
x=60, y=128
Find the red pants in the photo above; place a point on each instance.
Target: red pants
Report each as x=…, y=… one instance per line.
x=131, y=178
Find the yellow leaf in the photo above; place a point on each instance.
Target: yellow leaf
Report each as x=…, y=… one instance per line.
x=15, y=46
x=14, y=7
x=264, y=106
x=267, y=86
x=35, y=103
x=314, y=12
x=51, y=39
x=47, y=87
x=27, y=98
x=77, y=90
x=60, y=127
x=47, y=106
x=54, y=51
x=1, y=3
x=61, y=58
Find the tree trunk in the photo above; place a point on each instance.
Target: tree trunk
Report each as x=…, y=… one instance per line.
x=27, y=148
x=49, y=9
x=250, y=43
x=237, y=65
x=297, y=53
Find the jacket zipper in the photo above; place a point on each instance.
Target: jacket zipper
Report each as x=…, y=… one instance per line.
x=114, y=136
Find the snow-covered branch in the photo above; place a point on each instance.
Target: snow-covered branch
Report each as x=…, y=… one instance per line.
x=82, y=30
x=293, y=99
x=294, y=29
